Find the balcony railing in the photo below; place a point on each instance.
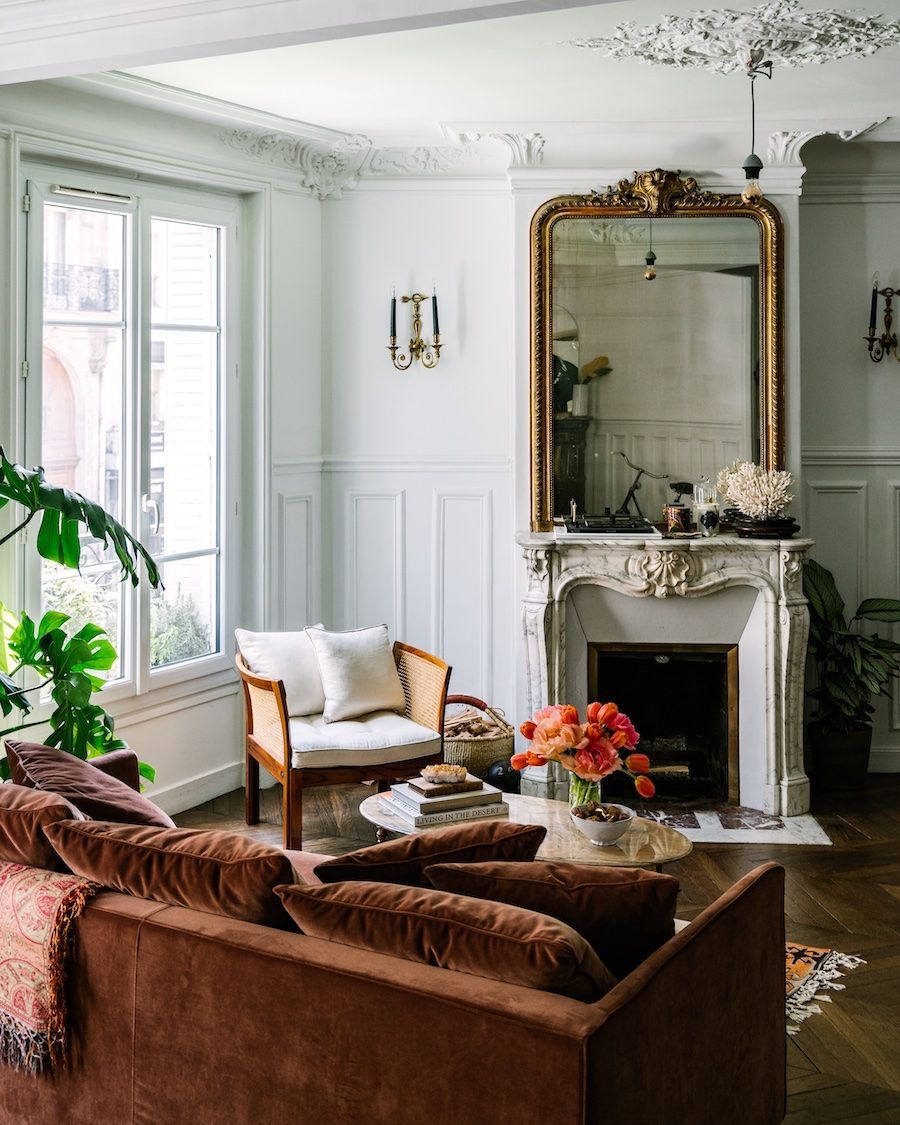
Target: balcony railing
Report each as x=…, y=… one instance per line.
x=81, y=288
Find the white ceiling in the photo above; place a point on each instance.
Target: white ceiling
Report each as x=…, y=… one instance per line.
x=404, y=87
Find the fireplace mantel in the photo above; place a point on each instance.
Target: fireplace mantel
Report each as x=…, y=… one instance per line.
x=667, y=569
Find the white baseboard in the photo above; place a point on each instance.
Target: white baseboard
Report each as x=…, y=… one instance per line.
x=188, y=794
x=884, y=759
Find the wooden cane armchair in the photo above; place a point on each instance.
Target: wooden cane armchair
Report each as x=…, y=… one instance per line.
x=269, y=741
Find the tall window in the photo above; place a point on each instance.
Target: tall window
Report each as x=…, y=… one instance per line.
x=126, y=402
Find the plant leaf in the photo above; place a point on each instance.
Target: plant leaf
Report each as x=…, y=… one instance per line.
x=879, y=609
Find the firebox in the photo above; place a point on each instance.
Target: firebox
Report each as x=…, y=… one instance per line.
x=684, y=701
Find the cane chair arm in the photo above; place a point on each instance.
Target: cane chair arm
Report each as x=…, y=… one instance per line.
x=266, y=713
x=425, y=679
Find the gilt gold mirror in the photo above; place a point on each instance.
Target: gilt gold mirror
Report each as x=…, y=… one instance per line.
x=678, y=373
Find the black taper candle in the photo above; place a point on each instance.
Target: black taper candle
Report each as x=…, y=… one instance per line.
x=435, y=327
x=873, y=308
x=393, y=314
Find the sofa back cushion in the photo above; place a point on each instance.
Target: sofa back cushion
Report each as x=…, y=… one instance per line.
x=94, y=793
x=486, y=939
x=218, y=872
x=625, y=914
x=23, y=814
x=291, y=658
x=359, y=673
x=404, y=860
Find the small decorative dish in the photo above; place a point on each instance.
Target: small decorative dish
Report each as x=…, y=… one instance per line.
x=602, y=824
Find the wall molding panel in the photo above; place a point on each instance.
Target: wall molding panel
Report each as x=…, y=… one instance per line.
x=850, y=455
x=818, y=495
x=893, y=506
x=462, y=585
x=295, y=568
x=375, y=537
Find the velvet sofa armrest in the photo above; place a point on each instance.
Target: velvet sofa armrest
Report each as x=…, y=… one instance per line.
x=122, y=765
x=697, y=1032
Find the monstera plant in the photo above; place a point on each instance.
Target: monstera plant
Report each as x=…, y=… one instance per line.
x=68, y=666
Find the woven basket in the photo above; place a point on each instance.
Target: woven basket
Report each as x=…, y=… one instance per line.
x=479, y=754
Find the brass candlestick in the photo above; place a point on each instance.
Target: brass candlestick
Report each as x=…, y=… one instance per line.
x=428, y=354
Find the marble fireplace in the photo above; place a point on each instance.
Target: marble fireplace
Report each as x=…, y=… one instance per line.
x=588, y=591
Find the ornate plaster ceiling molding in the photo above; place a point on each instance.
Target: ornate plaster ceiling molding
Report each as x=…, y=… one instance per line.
x=719, y=40
x=784, y=147
x=322, y=170
x=440, y=160
x=526, y=150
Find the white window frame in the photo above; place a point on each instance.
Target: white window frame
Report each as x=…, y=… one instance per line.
x=148, y=199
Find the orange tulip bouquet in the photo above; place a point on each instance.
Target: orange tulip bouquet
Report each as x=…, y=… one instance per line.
x=589, y=751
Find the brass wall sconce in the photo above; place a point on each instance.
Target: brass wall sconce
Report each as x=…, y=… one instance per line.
x=428, y=354
x=886, y=343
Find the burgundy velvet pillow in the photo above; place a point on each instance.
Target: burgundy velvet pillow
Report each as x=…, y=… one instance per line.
x=404, y=860
x=91, y=791
x=218, y=872
x=486, y=939
x=625, y=914
x=23, y=814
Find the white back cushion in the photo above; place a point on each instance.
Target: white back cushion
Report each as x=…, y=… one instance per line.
x=358, y=672
x=291, y=658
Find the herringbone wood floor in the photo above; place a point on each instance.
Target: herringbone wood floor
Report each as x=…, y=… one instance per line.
x=844, y=1065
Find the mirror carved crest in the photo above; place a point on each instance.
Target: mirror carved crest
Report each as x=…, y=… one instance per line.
x=607, y=233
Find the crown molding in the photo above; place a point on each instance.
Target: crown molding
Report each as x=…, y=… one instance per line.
x=784, y=146
x=321, y=170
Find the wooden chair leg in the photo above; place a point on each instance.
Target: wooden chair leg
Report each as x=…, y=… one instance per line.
x=251, y=795
x=292, y=805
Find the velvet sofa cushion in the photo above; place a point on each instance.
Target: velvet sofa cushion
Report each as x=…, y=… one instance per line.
x=486, y=939
x=94, y=793
x=122, y=764
x=23, y=814
x=405, y=859
x=218, y=872
x=625, y=914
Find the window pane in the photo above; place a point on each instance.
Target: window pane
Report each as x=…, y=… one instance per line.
x=185, y=273
x=184, y=440
x=184, y=616
x=82, y=263
x=83, y=379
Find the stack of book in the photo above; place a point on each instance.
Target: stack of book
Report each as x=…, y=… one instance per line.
x=427, y=803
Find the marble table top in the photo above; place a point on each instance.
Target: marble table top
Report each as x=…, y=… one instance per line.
x=644, y=844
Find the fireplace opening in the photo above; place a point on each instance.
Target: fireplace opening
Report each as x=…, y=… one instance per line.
x=684, y=701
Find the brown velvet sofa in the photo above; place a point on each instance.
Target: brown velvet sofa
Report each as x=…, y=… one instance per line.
x=185, y=1018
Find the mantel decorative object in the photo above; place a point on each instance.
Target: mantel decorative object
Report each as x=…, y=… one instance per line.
x=886, y=343
x=428, y=354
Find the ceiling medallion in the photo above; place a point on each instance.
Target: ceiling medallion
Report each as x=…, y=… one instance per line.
x=719, y=40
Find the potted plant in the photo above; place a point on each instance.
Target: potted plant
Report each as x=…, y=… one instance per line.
x=67, y=666
x=851, y=669
x=760, y=496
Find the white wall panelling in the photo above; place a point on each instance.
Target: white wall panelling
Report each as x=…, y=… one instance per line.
x=462, y=587
x=841, y=505
x=375, y=560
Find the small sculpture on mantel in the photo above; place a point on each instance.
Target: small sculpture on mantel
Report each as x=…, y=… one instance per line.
x=630, y=497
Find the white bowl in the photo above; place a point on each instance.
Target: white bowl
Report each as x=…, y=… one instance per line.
x=602, y=833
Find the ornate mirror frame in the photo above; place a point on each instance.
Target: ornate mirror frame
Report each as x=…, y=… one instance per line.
x=664, y=195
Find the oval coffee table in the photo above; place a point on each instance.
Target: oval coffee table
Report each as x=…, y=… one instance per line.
x=644, y=844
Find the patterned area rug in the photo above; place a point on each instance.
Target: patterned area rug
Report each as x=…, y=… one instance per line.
x=734, y=824
x=809, y=973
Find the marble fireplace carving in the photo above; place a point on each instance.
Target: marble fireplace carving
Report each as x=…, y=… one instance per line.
x=583, y=589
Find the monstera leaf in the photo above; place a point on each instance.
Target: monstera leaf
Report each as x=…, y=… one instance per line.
x=63, y=516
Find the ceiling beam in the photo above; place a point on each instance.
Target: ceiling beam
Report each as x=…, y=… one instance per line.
x=57, y=38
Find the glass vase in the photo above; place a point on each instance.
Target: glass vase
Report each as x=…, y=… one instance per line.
x=581, y=791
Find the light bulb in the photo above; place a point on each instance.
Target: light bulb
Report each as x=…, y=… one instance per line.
x=752, y=192
x=649, y=273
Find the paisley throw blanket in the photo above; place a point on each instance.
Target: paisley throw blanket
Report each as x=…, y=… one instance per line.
x=37, y=909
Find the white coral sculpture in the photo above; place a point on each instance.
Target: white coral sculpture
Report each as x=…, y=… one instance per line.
x=759, y=493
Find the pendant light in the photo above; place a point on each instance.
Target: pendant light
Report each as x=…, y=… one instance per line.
x=650, y=259
x=753, y=165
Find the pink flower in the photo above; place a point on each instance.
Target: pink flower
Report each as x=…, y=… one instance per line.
x=623, y=723
x=597, y=761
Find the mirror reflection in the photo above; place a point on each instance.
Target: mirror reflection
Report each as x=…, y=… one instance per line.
x=660, y=374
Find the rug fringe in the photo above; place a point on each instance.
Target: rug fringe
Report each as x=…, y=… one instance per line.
x=804, y=1001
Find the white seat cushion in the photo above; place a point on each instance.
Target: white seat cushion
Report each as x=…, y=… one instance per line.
x=289, y=657
x=377, y=739
x=359, y=674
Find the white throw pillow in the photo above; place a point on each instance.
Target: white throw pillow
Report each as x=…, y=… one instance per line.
x=291, y=658
x=358, y=672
